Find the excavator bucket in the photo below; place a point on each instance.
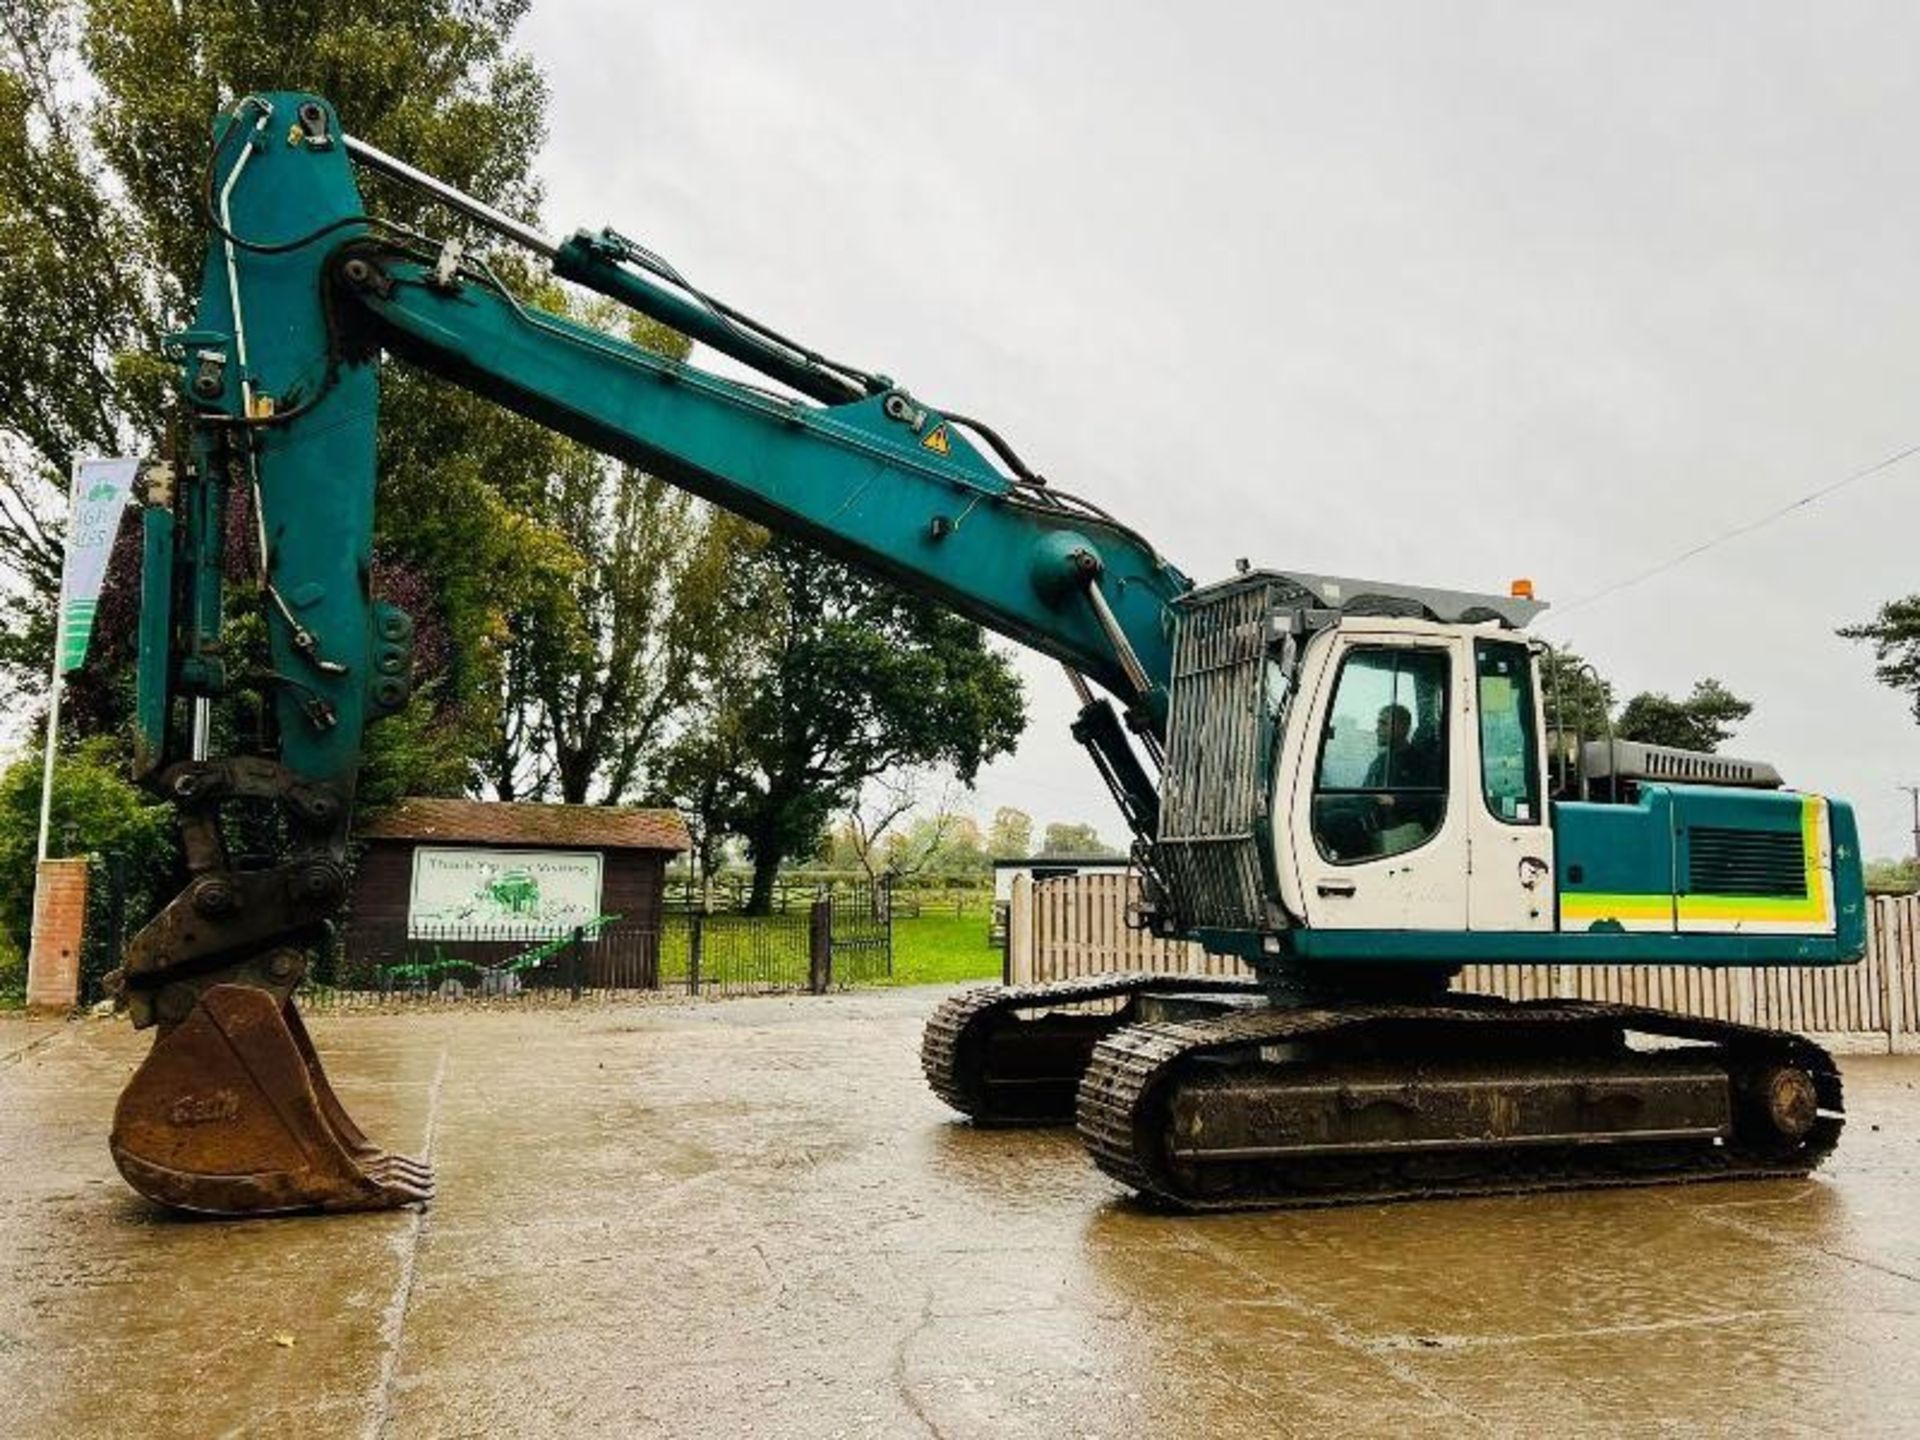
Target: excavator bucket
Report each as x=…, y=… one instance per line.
x=231, y=1114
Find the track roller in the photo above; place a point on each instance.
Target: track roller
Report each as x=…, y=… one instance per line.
x=1350, y=1104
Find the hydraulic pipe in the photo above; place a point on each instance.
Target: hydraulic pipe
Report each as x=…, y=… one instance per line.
x=1117, y=635
x=585, y=260
x=374, y=158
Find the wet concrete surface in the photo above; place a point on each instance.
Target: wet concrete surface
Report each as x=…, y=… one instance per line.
x=19, y=1034
x=749, y=1218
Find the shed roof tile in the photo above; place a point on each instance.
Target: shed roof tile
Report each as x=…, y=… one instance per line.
x=489, y=822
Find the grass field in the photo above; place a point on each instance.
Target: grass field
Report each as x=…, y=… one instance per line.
x=934, y=948
x=940, y=949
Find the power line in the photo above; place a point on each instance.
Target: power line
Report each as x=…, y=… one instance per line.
x=1810, y=498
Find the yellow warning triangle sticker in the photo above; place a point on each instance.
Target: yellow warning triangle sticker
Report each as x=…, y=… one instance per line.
x=936, y=440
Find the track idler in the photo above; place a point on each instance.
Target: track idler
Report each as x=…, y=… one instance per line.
x=231, y=1114
x=1014, y=1054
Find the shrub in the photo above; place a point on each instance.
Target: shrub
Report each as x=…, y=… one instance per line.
x=96, y=810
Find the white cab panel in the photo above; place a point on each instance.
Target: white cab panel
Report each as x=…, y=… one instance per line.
x=1510, y=884
x=1371, y=849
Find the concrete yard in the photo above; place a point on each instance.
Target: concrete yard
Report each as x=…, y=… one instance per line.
x=750, y=1218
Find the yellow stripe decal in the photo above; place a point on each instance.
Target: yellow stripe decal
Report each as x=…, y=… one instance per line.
x=1589, y=905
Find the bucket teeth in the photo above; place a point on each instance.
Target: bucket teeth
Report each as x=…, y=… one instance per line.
x=231, y=1114
x=351, y=1136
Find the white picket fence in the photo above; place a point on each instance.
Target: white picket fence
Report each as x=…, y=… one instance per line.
x=1076, y=925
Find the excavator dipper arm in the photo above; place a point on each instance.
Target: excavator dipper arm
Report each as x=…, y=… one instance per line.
x=302, y=293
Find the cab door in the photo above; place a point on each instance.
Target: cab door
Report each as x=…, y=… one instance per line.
x=1509, y=839
x=1378, y=841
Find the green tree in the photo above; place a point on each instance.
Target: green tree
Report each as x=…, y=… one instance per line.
x=591, y=684
x=1894, y=633
x=873, y=834
x=75, y=310
x=1010, y=836
x=892, y=832
x=945, y=845
x=697, y=775
x=700, y=769
x=1574, y=695
x=1892, y=877
x=1704, y=720
x=596, y=670
x=1079, y=840
x=835, y=678
x=1578, y=700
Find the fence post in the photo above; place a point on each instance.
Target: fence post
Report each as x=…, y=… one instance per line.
x=1018, y=969
x=820, y=945
x=694, y=930
x=54, y=958
x=1888, y=936
x=579, y=944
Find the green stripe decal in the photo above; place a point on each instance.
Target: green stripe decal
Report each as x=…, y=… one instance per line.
x=1589, y=905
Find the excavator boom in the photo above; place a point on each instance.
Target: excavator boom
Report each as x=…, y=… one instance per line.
x=303, y=292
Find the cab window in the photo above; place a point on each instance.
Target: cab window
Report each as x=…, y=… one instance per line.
x=1509, y=756
x=1380, y=788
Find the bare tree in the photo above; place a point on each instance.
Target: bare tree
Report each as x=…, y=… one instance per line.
x=886, y=849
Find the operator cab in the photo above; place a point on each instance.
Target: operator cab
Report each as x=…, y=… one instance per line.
x=1370, y=760
x=1408, y=785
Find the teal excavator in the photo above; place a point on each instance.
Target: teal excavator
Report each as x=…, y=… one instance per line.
x=1351, y=785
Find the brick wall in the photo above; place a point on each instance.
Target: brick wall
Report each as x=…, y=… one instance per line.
x=59, y=924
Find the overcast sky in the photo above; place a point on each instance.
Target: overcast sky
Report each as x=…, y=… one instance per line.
x=1443, y=293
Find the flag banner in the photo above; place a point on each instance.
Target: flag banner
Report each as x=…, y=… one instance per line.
x=101, y=485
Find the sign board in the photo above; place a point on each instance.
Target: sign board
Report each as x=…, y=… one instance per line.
x=99, y=496
x=504, y=894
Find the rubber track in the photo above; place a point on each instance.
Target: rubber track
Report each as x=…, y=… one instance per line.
x=949, y=1044
x=1130, y=1066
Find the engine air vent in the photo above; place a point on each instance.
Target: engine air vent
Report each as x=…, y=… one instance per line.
x=1637, y=760
x=1746, y=862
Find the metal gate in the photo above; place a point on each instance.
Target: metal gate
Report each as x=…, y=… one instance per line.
x=857, y=925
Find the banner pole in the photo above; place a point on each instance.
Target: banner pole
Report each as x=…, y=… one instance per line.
x=53, y=725
x=59, y=660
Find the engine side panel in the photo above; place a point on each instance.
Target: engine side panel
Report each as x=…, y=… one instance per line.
x=1615, y=863
x=1706, y=860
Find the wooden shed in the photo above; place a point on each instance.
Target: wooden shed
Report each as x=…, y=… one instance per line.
x=430, y=867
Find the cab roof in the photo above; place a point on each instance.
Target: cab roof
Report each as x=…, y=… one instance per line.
x=1375, y=597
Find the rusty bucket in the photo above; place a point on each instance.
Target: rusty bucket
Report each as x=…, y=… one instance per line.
x=231, y=1114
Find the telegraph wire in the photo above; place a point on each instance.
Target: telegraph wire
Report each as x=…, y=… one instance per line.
x=1810, y=498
